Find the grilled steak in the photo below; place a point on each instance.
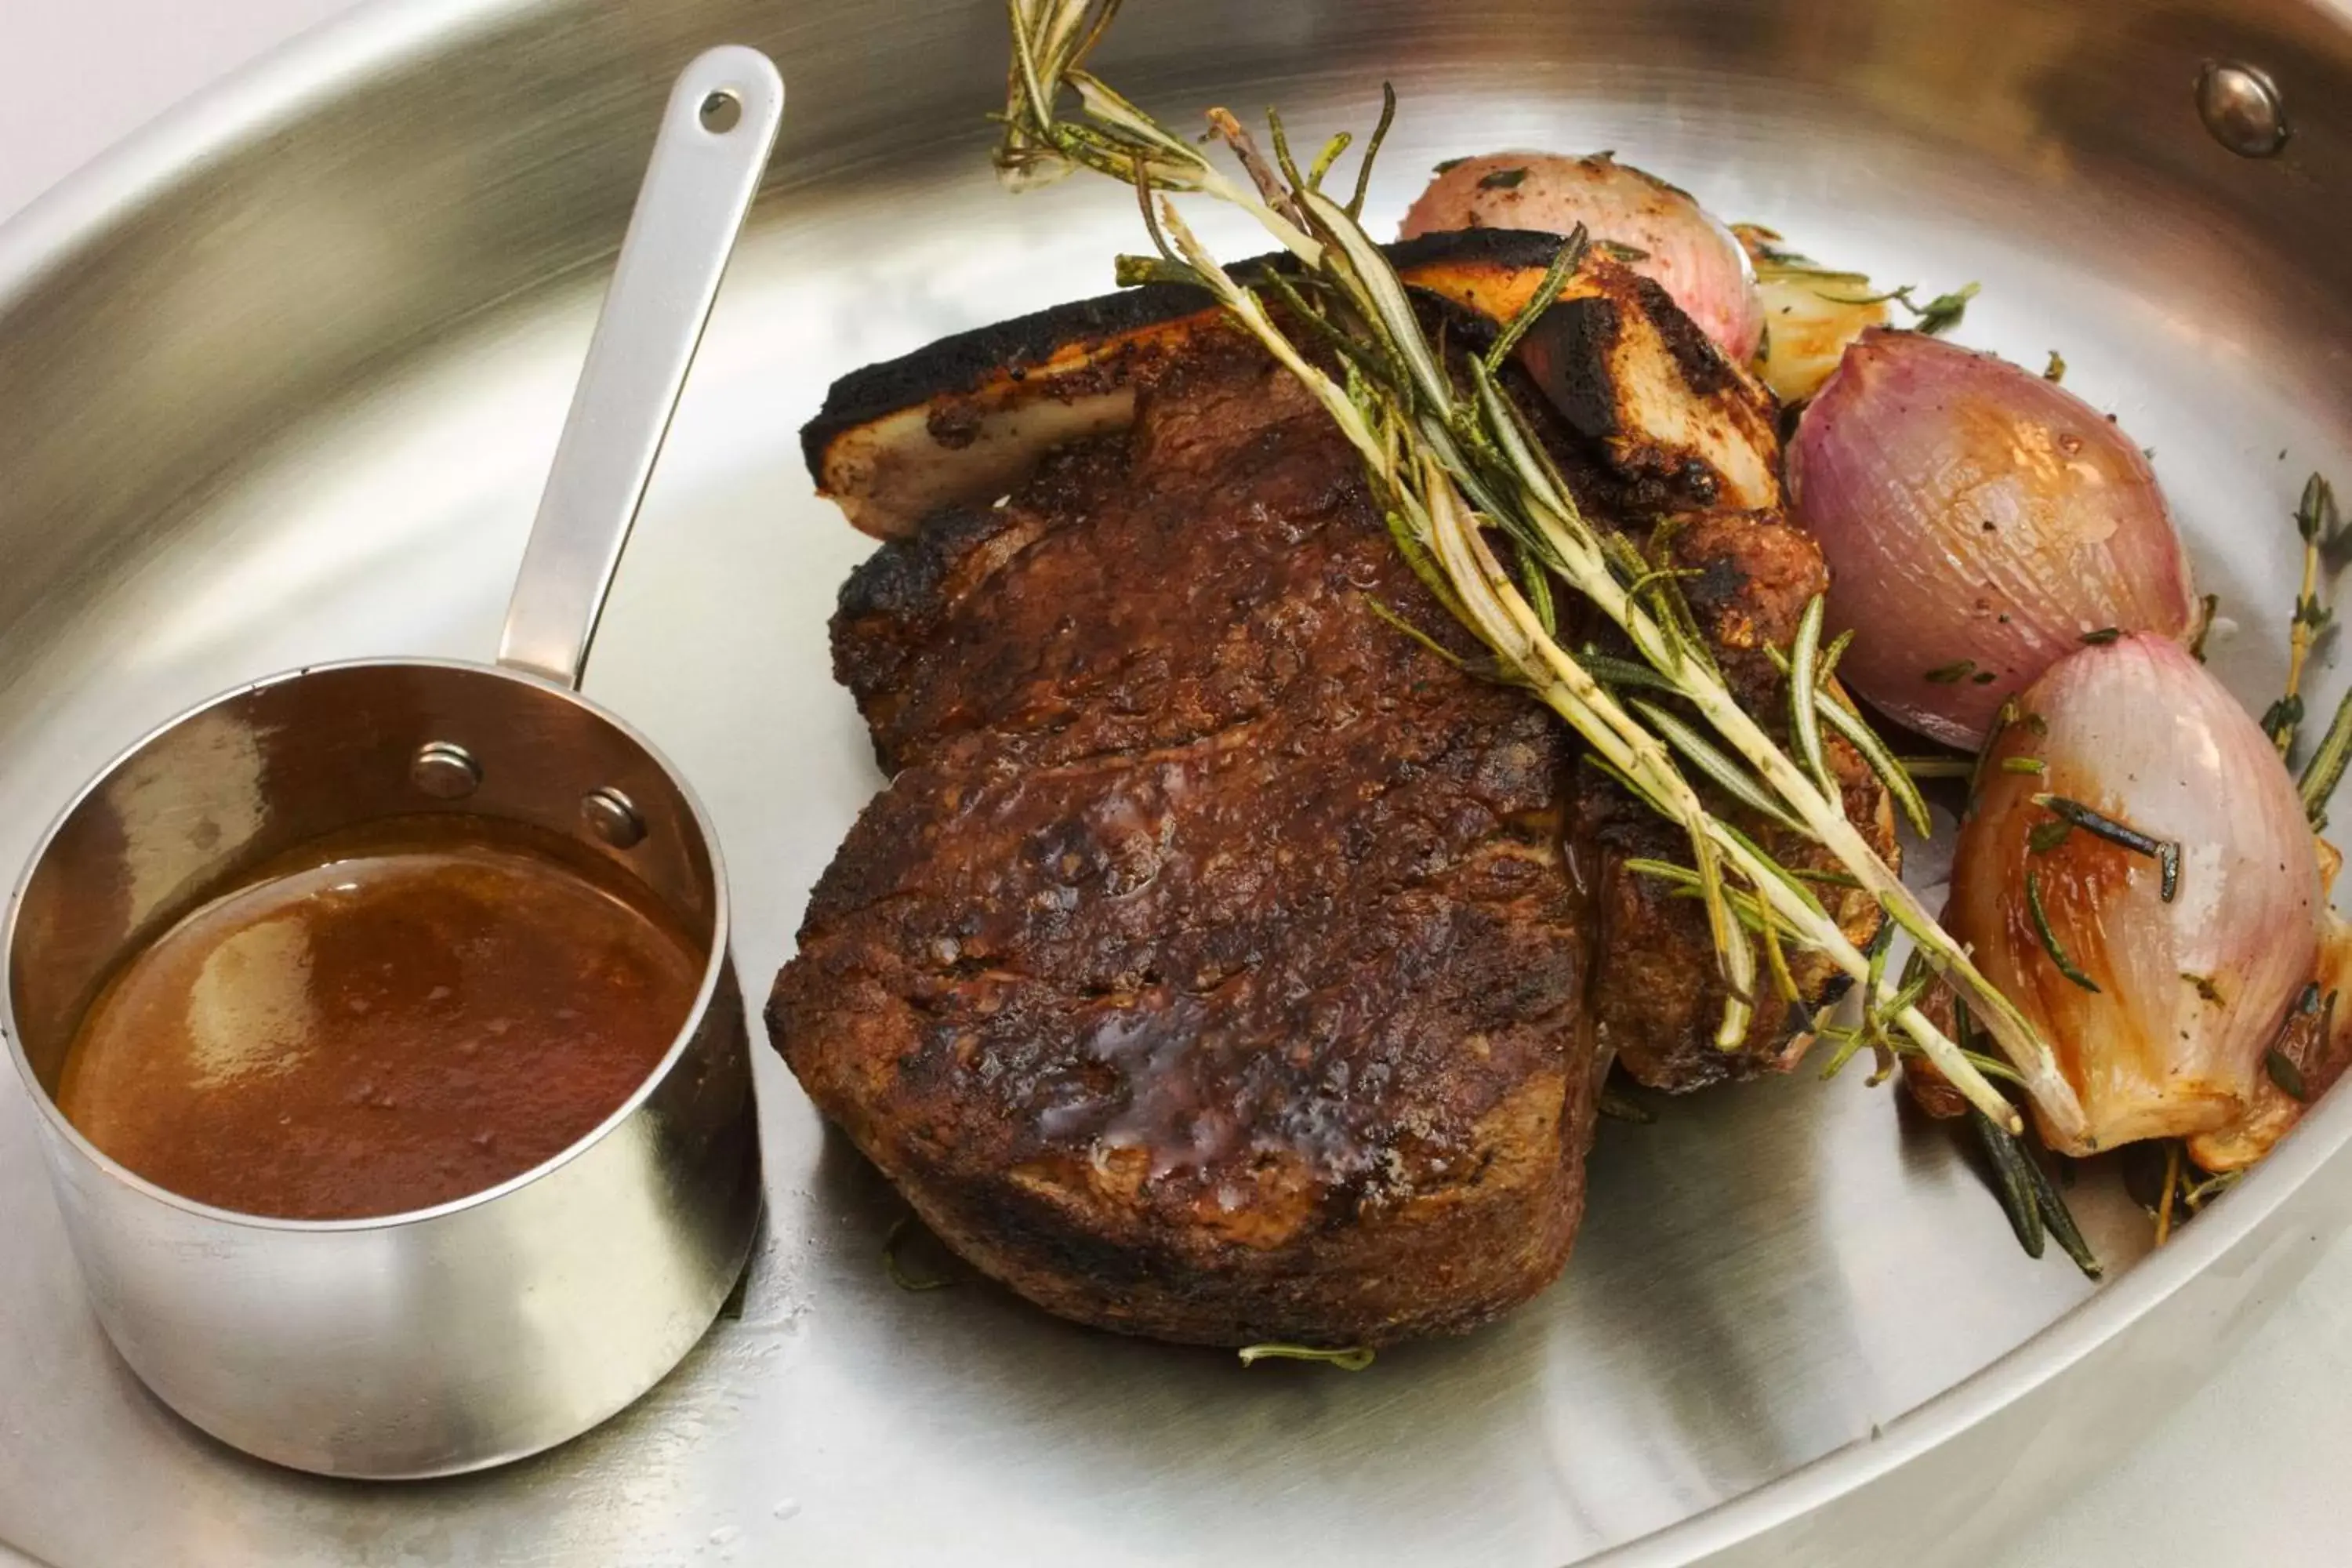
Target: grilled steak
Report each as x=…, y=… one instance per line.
x=1221, y=964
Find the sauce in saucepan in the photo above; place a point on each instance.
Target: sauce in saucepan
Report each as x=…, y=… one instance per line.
x=392, y=1029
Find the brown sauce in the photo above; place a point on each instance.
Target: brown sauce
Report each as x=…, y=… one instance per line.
x=392, y=1029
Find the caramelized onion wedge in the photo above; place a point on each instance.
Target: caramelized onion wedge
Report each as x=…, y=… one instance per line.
x=2160, y=1008
x=1683, y=248
x=1979, y=522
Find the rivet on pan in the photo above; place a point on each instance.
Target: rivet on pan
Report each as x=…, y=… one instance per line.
x=613, y=817
x=2241, y=106
x=445, y=769
x=721, y=112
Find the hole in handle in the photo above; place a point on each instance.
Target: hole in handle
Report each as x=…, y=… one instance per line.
x=721, y=112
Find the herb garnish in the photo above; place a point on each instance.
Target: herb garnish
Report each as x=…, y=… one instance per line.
x=2286, y=1075
x=2008, y=1160
x=2282, y=1068
x=2325, y=542
x=2163, y=851
x=2049, y=938
x=1447, y=165
x=1937, y=317
x=1940, y=314
x=1472, y=497
x=1356, y=1358
x=2056, y=371
x=1950, y=674
x=2027, y=1194
x=2003, y=717
x=1501, y=179
x=2103, y=637
x=2325, y=771
x=2023, y=765
x=2047, y=834
x=2204, y=987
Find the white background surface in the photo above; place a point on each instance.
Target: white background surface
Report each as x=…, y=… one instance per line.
x=2255, y=1469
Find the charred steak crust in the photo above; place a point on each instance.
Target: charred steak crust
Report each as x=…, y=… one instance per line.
x=964, y=362
x=1210, y=969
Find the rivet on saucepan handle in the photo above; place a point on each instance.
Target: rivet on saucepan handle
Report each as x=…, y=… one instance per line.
x=445, y=769
x=2241, y=106
x=613, y=817
x=715, y=137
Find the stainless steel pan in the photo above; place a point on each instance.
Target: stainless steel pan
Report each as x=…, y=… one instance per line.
x=276, y=384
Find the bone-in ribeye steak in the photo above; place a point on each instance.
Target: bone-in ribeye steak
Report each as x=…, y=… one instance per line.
x=1220, y=964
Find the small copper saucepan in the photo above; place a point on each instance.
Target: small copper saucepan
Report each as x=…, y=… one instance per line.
x=501, y=1322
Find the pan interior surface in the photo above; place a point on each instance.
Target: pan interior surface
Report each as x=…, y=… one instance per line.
x=291, y=400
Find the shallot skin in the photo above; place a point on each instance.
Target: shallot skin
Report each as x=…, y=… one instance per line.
x=1979, y=523
x=2190, y=991
x=1686, y=251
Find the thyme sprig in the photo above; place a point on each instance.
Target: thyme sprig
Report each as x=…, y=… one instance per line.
x=1464, y=482
x=1933, y=319
x=2326, y=540
x=2325, y=771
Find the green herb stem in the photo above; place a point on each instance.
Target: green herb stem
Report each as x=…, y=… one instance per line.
x=1356, y=1358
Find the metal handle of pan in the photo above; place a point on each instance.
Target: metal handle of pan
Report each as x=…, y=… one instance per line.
x=716, y=133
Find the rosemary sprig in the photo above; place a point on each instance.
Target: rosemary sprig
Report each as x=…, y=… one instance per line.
x=2031, y=1199
x=2060, y=1220
x=1356, y=1358
x=1899, y=775
x=2010, y=1163
x=2165, y=852
x=1449, y=459
x=1804, y=680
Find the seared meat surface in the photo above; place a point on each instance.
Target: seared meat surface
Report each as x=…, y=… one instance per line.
x=1210, y=968
x=1221, y=964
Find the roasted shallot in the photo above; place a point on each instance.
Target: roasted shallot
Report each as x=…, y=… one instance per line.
x=2137, y=875
x=1981, y=523
x=1657, y=229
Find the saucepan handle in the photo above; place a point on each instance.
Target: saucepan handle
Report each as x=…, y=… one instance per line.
x=715, y=137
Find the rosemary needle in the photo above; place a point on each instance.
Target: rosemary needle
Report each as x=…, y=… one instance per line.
x=2049, y=938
